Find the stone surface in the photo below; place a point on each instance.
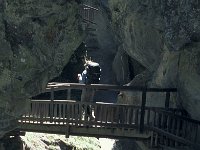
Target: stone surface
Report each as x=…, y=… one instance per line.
x=103, y=49
x=162, y=36
x=41, y=141
x=121, y=67
x=189, y=79
x=37, y=39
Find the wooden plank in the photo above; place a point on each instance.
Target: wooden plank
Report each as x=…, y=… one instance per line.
x=159, y=119
x=96, y=114
x=156, y=140
x=157, y=109
x=45, y=110
x=148, y=116
x=128, y=118
x=101, y=113
x=178, y=127
x=80, y=112
x=88, y=6
x=76, y=114
x=112, y=115
x=51, y=107
x=55, y=111
x=136, y=116
x=125, y=114
x=177, y=116
x=106, y=114
x=68, y=94
x=167, y=100
x=132, y=116
x=64, y=113
x=34, y=112
x=142, y=115
x=85, y=20
x=154, y=119
x=152, y=139
x=60, y=111
x=184, y=127
x=99, y=124
x=68, y=114
x=29, y=114
x=84, y=131
x=41, y=113
x=85, y=114
x=67, y=131
x=73, y=112
x=169, y=123
x=174, y=137
x=64, y=86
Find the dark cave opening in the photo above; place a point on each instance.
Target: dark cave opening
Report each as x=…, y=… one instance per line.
x=68, y=75
x=74, y=67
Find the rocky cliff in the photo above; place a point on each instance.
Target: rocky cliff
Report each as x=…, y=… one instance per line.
x=37, y=39
x=164, y=37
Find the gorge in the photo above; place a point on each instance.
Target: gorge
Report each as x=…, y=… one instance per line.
x=153, y=43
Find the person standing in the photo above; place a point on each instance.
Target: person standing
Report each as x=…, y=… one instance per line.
x=91, y=75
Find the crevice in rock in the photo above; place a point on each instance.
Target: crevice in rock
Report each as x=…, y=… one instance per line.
x=195, y=37
x=135, y=68
x=75, y=66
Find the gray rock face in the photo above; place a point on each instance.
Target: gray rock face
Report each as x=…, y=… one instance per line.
x=163, y=36
x=37, y=39
x=120, y=67
x=189, y=79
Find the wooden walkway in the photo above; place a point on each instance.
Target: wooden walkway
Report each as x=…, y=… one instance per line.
x=159, y=126
x=88, y=15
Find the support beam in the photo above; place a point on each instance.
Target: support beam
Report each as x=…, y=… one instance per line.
x=68, y=94
x=144, y=93
x=51, y=105
x=167, y=100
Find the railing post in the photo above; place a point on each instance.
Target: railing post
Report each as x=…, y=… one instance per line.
x=51, y=105
x=144, y=94
x=68, y=94
x=167, y=100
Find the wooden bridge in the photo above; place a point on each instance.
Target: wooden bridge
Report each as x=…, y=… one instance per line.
x=158, y=126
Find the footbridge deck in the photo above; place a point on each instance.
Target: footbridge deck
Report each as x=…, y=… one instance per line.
x=159, y=126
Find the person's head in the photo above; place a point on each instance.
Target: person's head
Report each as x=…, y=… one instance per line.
x=79, y=75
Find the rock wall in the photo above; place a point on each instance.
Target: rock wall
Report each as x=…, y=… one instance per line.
x=37, y=39
x=164, y=37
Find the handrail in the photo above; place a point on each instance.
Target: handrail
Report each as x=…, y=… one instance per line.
x=169, y=113
x=154, y=109
x=64, y=86
x=165, y=123
x=161, y=109
x=87, y=6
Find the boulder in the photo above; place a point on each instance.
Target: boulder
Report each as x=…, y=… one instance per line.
x=37, y=39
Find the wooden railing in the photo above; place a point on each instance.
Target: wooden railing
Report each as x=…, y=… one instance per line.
x=88, y=13
x=82, y=114
x=168, y=128
x=97, y=87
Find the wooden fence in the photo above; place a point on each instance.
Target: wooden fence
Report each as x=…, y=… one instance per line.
x=168, y=126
